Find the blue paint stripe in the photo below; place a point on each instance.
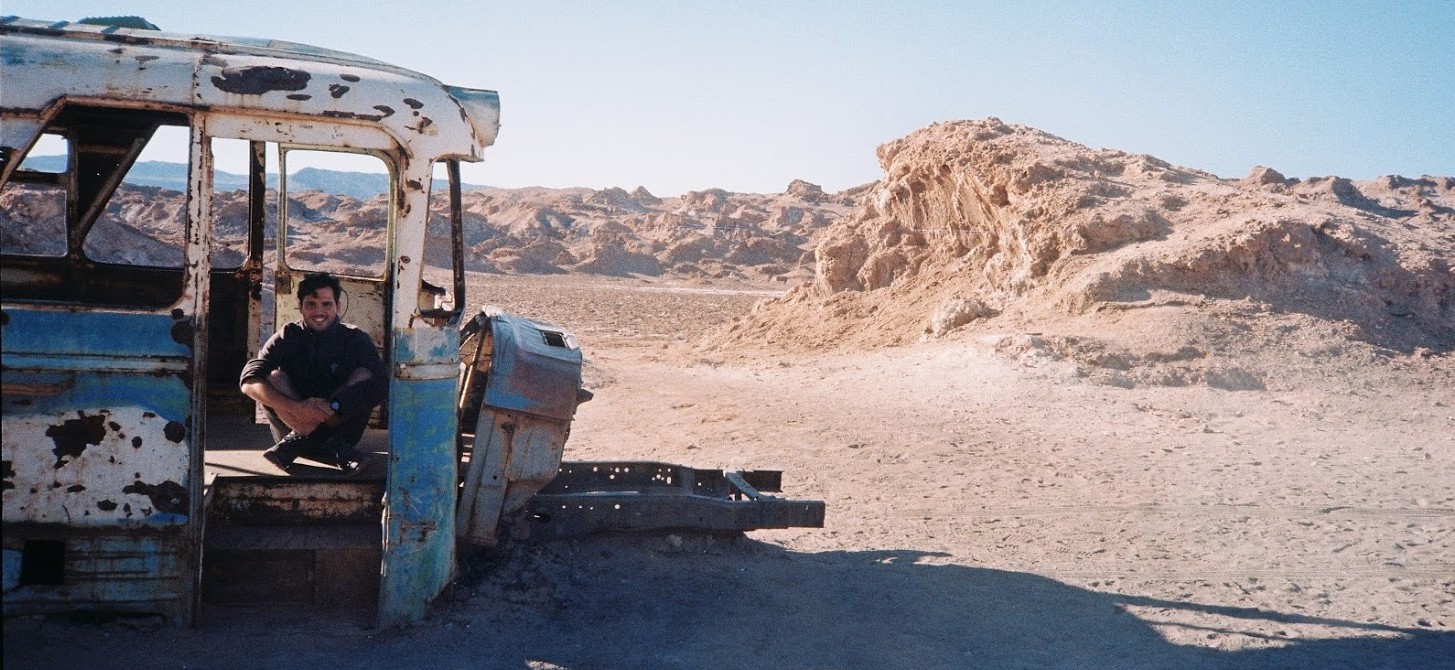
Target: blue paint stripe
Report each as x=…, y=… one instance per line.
x=167, y=396
x=76, y=362
x=90, y=333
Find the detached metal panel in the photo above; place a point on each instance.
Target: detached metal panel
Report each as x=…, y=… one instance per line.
x=536, y=368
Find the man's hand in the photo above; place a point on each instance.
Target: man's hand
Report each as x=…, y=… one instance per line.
x=305, y=416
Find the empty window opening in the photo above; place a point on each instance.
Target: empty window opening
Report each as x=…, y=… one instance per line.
x=338, y=212
x=96, y=211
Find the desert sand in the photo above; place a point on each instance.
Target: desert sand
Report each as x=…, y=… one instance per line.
x=1068, y=408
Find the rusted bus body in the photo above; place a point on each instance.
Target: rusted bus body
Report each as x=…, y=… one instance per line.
x=108, y=362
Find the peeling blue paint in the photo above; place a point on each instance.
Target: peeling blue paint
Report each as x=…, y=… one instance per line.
x=114, y=334
x=419, y=530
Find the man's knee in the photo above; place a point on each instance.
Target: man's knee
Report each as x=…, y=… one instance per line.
x=281, y=382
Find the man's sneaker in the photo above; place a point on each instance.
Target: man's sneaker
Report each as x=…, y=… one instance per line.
x=278, y=460
x=351, y=468
x=287, y=449
x=347, y=457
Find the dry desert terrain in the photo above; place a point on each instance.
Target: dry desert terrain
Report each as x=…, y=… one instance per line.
x=1068, y=408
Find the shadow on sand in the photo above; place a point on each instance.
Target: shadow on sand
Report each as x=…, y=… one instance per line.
x=660, y=602
x=767, y=608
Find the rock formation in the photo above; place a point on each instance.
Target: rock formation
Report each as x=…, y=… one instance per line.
x=981, y=222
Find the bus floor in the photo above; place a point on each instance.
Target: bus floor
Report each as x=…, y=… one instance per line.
x=235, y=445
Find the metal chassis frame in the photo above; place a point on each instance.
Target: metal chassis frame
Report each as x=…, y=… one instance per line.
x=596, y=496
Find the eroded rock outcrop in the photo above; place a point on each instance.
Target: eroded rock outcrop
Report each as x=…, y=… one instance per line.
x=986, y=222
x=702, y=234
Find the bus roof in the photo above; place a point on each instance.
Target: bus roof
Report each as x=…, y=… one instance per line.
x=43, y=64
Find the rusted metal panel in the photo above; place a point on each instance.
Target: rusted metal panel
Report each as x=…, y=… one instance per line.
x=531, y=378
x=514, y=455
x=536, y=368
x=281, y=501
x=40, y=68
x=162, y=341
x=419, y=532
x=262, y=127
x=101, y=440
x=44, y=62
x=103, y=572
x=329, y=567
x=622, y=496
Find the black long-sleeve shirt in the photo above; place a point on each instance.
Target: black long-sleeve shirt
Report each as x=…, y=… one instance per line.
x=319, y=363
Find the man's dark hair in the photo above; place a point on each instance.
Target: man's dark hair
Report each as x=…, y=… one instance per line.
x=317, y=280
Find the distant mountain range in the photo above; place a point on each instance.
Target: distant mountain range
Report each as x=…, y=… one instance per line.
x=173, y=176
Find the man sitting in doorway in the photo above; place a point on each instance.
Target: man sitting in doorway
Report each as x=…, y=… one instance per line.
x=319, y=379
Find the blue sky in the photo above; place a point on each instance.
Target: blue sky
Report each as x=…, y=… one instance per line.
x=747, y=96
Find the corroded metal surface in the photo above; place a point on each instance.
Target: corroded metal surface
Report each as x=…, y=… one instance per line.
x=106, y=366
x=219, y=73
x=536, y=368
x=589, y=497
x=419, y=520
x=290, y=501
x=519, y=393
x=514, y=455
x=134, y=571
x=96, y=419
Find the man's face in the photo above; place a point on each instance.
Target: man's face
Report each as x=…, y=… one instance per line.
x=319, y=308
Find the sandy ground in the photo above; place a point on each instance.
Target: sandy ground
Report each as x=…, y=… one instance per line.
x=984, y=511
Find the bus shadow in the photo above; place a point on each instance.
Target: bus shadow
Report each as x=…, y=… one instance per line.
x=888, y=609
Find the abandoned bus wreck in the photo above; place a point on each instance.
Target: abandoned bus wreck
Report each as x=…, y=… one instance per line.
x=132, y=469
x=109, y=357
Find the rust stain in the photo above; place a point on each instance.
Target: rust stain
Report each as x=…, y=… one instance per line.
x=72, y=436
x=335, y=114
x=260, y=79
x=414, y=184
x=349, y=77
x=337, y=90
x=413, y=104
x=299, y=96
x=105, y=505
x=385, y=109
x=175, y=431
x=75, y=488
x=182, y=332
x=136, y=442
x=8, y=473
x=168, y=496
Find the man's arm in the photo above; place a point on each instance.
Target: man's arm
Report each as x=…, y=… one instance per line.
x=264, y=381
x=361, y=392
x=368, y=384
